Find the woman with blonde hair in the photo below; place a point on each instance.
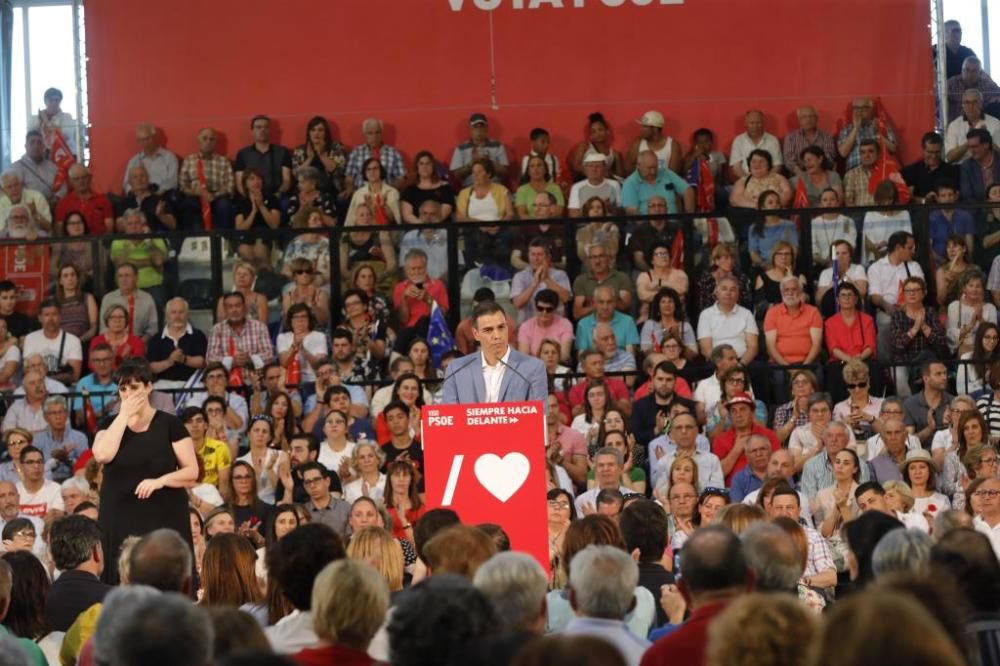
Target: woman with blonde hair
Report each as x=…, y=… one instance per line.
x=377, y=547
x=344, y=629
x=244, y=276
x=762, y=628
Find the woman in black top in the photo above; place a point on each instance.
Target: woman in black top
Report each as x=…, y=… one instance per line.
x=149, y=461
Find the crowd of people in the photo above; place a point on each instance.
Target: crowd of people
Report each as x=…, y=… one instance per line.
x=715, y=496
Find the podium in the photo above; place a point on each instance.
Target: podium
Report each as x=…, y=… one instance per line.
x=486, y=462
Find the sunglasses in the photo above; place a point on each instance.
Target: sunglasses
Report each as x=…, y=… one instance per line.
x=715, y=491
x=303, y=271
x=545, y=308
x=856, y=386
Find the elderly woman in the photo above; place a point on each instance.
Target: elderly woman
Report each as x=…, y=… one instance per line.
x=967, y=313
x=310, y=194
x=916, y=332
x=124, y=343
x=818, y=176
x=725, y=257
x=367, y=459
x=427, y=186
x=920, y=474
x=747, y=191
x=14, y=440
x=302, y=339
x=661, y=276
x=78, y=251
x=322, y=153
x=769, y=229
x=972, y=377
x=795, y=413
x=379, y=196
x=344, y=630
x=304, y=291
x=860, y=410
x=311, y=245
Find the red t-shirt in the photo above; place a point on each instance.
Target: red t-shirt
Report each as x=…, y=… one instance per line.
x=95, y=210
x=615, y=385
x=435, y=289
x=723, y=444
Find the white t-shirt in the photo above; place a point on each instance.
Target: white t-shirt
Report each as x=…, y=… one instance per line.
x=314, y=343
x=331, y=459
x=855, y=272
x=884, y=278
x=354, y=489
x=484, y=209
x=37, y=343
x=959, y=128
x=743, y=145
x=727, y=328
x=610, y=190
x=48, y=497
x=825, y=232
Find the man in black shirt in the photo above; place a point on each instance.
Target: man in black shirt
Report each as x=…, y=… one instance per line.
x=75, y=543
x=401, y=446
x=644, y=529
x=924, y=175
x=18, y=324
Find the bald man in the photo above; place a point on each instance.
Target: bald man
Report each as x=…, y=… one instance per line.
x=160, y=163
x=97, y=211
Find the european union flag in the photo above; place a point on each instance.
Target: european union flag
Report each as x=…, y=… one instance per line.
x=439, y=337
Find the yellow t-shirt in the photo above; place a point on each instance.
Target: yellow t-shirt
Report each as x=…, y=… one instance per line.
x=214, y=455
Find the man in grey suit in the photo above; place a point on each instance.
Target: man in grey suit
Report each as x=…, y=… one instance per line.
x=496, y=373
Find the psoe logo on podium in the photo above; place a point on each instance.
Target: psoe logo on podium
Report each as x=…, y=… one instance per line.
x=487, y=463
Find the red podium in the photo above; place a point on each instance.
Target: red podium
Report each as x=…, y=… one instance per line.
x=486, y=462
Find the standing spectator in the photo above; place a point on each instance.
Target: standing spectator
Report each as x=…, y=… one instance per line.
x=272, y=162
x=598, y=142
x=52, y=119
x=206, y=177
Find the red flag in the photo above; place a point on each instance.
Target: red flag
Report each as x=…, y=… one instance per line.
x=677, y=251
x=887, y=168
x=801, y=199
x=706, y=187
x=236, y=372
x=206, y=206
x=293, y=374
x=63, y=157
x=90, y=417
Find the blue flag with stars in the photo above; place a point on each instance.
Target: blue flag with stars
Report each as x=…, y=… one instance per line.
x=439, y=337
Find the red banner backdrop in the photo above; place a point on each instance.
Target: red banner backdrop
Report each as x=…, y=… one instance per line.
x=423, y=66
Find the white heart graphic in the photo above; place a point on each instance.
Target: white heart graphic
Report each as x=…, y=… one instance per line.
x=502, y=477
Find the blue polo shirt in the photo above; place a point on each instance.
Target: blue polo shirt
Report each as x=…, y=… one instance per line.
x=622, y=324
x=636, y=192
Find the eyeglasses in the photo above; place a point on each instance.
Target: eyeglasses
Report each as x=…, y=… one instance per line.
x=241, y=477
x=736, y=380
x=33, y=461
x=312, y=482
x=545, y=308
x=913, y=290
x=986, y=493
x=856, y=386
x=24, y=534
x=556, y=504
x=988, y=461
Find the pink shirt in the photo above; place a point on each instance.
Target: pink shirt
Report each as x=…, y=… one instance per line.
x=532, y=334
x=572, y=443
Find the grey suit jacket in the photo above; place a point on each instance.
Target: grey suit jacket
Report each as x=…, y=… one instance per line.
x=525, y=379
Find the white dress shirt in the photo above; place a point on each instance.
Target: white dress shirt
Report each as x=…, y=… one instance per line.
x=493, y=376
